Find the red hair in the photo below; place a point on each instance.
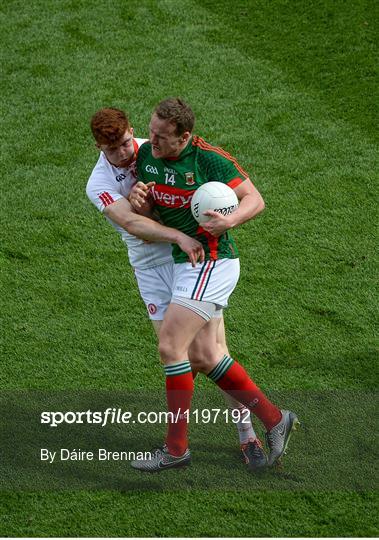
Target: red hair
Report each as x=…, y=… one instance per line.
x=109, y=125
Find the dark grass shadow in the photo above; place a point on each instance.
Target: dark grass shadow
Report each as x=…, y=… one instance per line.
x=335, y=449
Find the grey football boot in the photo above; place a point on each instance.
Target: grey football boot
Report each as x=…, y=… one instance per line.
x=278, y=437
x=254, y=455
x=161, y=460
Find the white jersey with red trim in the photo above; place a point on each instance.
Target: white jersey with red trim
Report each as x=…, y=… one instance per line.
x=106, y=185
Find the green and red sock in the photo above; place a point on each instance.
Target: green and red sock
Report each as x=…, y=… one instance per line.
x=233, y=379
x=179, y=390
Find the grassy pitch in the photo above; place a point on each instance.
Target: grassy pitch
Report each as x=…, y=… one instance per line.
x=289, y=89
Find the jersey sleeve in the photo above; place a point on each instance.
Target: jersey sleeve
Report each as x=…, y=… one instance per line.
x=102, y=190
x=219, y=165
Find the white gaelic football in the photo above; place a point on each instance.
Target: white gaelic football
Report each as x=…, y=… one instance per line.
x=213, y=196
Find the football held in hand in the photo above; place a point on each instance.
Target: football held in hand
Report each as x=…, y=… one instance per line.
x=214, y=196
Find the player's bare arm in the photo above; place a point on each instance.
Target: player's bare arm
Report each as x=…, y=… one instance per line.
x=121, y=212
x=251, y=204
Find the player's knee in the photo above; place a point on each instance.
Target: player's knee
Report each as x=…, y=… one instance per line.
x=167, y=350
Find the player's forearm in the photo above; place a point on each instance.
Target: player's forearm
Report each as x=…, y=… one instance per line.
x=249, y=207
x=122, y=213
x=148, y=229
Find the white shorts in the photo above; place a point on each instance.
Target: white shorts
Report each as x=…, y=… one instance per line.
x=211, y=281
x=155, y=287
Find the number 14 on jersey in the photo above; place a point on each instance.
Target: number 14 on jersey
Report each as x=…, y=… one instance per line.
x=169, y=178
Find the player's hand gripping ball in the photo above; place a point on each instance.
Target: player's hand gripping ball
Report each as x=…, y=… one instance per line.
x=213, y=196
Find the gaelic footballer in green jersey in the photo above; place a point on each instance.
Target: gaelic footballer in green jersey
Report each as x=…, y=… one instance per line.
x=177, y=179
x=178, y=163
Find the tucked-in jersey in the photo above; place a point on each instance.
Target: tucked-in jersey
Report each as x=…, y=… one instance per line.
x=176, y=180
x=106, y=185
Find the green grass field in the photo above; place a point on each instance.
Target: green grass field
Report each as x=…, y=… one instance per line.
x=288, y=87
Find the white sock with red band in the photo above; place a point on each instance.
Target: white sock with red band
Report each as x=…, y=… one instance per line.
x=240, y=417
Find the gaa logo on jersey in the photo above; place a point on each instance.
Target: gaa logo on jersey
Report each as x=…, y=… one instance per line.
x=152, y=308
x=190, y=178
x=151, y=169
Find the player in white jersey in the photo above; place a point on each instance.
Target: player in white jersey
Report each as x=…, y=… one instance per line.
x=108, y=184
x=152, y=262
x=108, y=187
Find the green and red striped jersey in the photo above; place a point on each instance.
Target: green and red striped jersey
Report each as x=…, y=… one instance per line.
x=176, y=180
